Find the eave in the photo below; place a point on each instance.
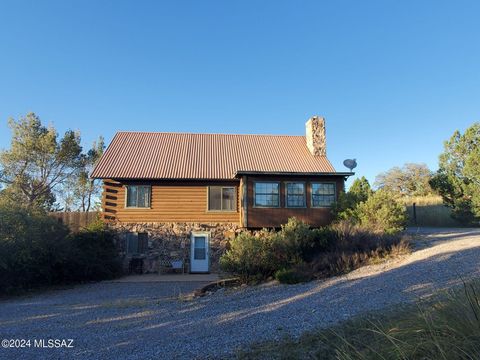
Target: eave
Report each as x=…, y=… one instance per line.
x=286, y=173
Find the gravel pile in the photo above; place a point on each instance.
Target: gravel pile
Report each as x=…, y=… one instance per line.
x=155, y=320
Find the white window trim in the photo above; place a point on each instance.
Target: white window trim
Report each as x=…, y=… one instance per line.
x=139, y=207
x=221, y=202
x=304, y=194
x=255, y=195
x=334, y=193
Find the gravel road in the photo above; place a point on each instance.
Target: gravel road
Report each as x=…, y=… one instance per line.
x=151, y=320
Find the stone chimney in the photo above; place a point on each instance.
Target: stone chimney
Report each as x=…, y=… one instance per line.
x=315, y=135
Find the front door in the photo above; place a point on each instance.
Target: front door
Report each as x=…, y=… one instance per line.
x=199, y=261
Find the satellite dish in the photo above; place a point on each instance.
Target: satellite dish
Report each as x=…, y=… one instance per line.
x=350, y=163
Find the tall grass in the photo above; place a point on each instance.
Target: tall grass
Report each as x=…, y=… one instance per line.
x=430, y=211
x=356, y=246
x=423, y=200
x=447, y=327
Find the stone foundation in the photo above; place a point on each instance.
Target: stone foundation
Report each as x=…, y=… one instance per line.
x=168, y=242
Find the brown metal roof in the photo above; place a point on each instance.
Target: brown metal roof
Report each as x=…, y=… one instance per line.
x=149, y=155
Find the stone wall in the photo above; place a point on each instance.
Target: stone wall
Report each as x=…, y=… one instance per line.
x=315, y=135
x=171, y=241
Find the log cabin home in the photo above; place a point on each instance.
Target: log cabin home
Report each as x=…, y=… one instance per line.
x=176, y=199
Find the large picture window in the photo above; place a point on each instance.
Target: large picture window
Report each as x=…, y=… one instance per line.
x=222, y=198
x=138, y=196
x=323, y=194
x=267, y=194
x=295, y=194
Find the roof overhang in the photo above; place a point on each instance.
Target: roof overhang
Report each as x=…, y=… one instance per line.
x=280, y=173
x=144, y=179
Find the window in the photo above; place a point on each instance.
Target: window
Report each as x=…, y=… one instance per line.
x=199, y=248
x=138, y=196
x=295, y=194
x=323, y=194
x=267, y=194
x=136, y=243
x=221, y=198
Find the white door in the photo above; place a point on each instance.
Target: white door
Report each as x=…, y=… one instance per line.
x=199, y=252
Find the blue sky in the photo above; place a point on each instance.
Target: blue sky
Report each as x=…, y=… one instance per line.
x=394, y=79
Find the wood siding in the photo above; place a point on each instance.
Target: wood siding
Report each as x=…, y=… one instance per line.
x=171, y=201
x=182, y=201
x=259, y=217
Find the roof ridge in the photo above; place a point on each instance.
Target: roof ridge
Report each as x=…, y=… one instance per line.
x=198, y=133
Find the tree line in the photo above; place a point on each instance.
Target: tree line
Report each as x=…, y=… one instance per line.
x=457, y=179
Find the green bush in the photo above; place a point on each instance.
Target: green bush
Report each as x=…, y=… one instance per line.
x=36, y=250
x=296, y=252
x=302, y=242
x=378, y=211
x=32, y=248
x=92, y=256
x=382, y=212
x=260, y=256
x=251, y=256
x=345, y=206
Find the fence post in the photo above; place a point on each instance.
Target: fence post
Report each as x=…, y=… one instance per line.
x=415, y=214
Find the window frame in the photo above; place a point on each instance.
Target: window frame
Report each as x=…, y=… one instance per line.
x=255, y=194
x=312, y=194
x=304, y=194
x=137, y=235
x=139, y=207
x=221, y=198
x=208, y=237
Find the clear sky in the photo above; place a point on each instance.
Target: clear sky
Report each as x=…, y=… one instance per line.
x=394, y=79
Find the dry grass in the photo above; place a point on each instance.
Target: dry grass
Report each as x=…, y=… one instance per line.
x=356, y=247
x=445, y=327
x=422, y=200
x=430, y=211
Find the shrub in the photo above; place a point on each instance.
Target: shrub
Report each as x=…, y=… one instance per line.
x=32, y=247
x=92, y=256
x=378, y=211
x=355, y=246
x=301, y=242
x=256, y=257
x=37, y=250
x=251, y=256
x=259, y=256
x=296, y=252
x=382, y=212
x=346, y=203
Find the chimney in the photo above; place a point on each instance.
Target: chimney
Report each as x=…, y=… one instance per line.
x=315, y=135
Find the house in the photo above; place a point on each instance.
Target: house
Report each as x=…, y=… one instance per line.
x=177, y=198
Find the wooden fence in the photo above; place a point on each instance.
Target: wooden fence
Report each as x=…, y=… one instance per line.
x=76, y=220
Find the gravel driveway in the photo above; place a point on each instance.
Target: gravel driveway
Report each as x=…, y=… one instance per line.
x=150, y=320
